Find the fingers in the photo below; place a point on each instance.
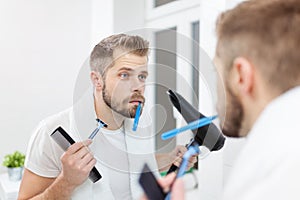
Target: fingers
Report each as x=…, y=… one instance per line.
x=181, y=149
x=192, y=162
x=178, y=161
x=193, y=159
x=77, y=162
x=144, y=197
x=167, y=181
x=179, y=158
x=80, y=153
x=77, y=146
x=177, y=154
x=178, y=190
x=88, y=167
x=87, y=158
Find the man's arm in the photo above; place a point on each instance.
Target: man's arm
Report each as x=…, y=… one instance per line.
x=77, y=162
x=165, y=160
x=38, y=187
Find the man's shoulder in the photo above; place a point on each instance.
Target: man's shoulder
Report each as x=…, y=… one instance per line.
x=63, y=115
x=62, y=119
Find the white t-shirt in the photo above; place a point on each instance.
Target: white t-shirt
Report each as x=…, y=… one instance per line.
x=120, y=157
x=268, y=166
x=119, y=177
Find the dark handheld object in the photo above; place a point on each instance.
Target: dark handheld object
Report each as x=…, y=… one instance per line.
x=150, y=186
x=64, y=140
x=208, y=136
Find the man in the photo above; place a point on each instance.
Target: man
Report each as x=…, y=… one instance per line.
x=257, y=57
x=118, y=74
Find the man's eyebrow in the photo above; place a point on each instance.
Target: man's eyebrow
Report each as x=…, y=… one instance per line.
x=125, y=68
x=145, y=72
x=130, y=69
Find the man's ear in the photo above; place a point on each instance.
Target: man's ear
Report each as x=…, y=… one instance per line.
x=97, y=79
x=243, y=76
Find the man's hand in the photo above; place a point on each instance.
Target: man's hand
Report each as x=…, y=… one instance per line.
x=177, y=188
x=165, y=160
x=77, y=162
x=177, y=155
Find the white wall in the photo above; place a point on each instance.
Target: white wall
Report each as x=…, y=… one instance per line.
x=102, y=20
x=43, y=44
x=128, y=15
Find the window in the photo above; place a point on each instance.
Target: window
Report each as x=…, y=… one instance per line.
x=165, y=78
x=162, y=2
x=176, y=26
x=195, y=63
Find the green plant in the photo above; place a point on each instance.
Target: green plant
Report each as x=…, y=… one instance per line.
x=15, y=159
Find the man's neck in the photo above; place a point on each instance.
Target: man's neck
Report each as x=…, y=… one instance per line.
x=256, y=106
x=113, y=120
x=112, y=123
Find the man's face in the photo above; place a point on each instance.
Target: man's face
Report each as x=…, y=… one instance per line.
x=124, y=84
x=230, y=111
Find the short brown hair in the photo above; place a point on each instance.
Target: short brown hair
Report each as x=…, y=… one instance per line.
x=103, y=54
x=267, y=32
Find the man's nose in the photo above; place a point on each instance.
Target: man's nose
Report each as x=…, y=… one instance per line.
x=137, y=85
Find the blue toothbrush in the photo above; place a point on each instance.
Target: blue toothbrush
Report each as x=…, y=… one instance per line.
x=191, y=126
x=137, y=117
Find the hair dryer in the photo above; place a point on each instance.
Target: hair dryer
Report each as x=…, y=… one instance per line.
x=209, y=136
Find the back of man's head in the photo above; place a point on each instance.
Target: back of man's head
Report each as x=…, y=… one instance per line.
x=110, y=48
x=267, y=32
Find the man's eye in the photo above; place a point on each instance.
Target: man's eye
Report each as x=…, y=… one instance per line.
x=142, y=77
x=124, y=75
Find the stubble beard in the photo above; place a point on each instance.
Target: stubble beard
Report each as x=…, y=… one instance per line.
x=117, y=107
x=234, y=115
